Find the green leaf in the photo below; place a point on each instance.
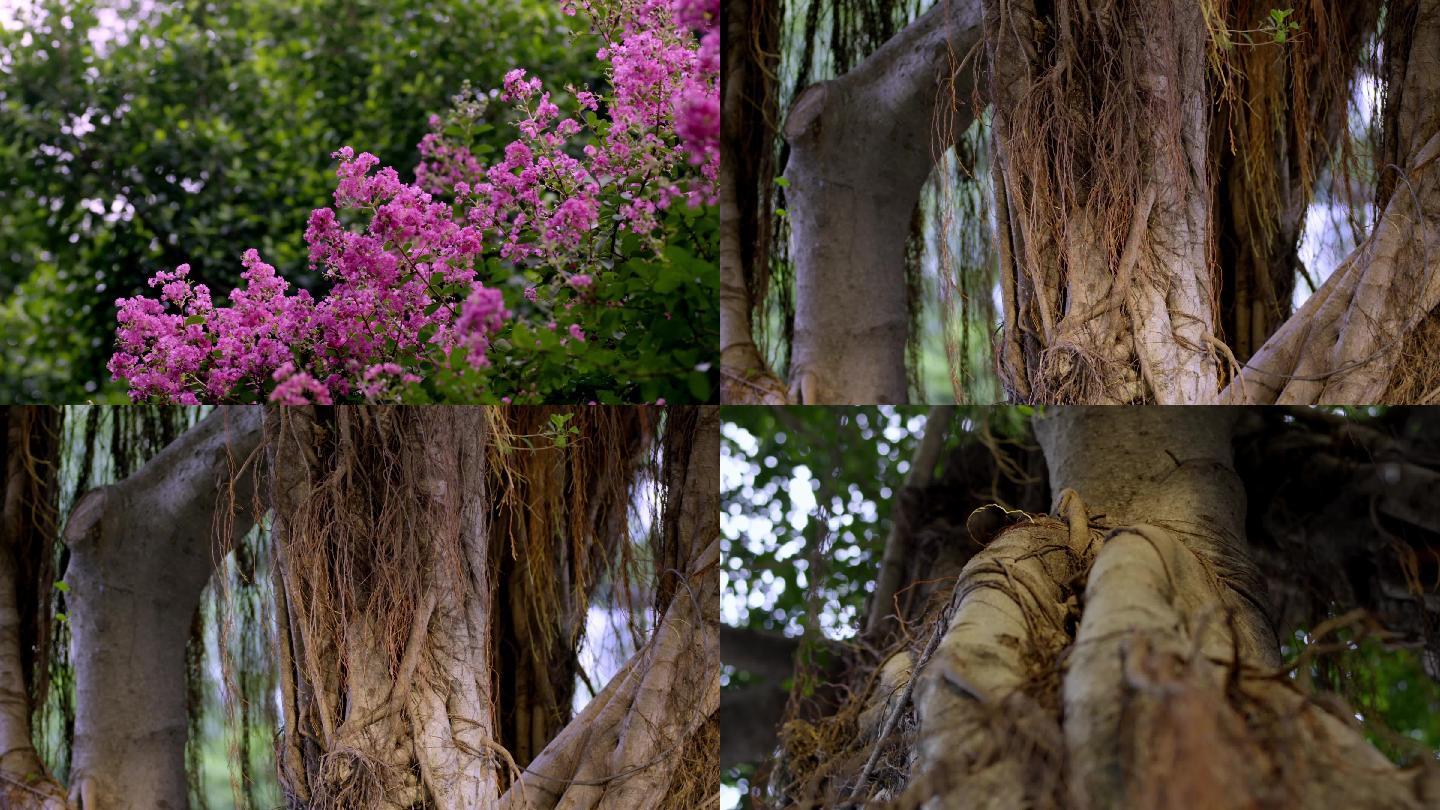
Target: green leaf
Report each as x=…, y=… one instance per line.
x=699, y=385
x=62, y=586
x=195, y=320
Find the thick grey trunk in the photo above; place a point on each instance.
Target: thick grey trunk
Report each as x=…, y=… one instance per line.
x=862, y=146
x=141, y=552
x=1164, y=478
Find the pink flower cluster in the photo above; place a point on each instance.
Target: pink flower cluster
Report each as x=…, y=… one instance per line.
x=404, y=290
x=398, y=288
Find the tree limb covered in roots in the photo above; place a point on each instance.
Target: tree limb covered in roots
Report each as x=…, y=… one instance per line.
x=432, y=573
x=1121, y=649
x=1344, y=345
x=1151, y=166
x=435, y=567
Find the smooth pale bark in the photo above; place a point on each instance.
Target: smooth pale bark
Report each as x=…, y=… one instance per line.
x=862, y=146
x=141, y=552
x=1165, y=479
x=24, y=782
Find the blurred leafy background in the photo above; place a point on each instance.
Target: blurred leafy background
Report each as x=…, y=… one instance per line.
x=136, y=135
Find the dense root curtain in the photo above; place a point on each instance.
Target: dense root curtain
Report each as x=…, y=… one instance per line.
x=1151, y=166
x=384, y=606
x=650, y=738
x=1102, y=196
x=1346, y=343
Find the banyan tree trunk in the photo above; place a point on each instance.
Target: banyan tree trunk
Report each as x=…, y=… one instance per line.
x=385, y=604
x=434, y=566
x=141, y=552
x=1116, y=654
x=1102, y=196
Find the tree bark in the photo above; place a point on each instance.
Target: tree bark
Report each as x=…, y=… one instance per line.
x=141, y=552
x=1102, y=195
x=393, y=532
x=751, y=28
x=862, y=146
x=636, y=742
x=897, y=542
x=385, y=602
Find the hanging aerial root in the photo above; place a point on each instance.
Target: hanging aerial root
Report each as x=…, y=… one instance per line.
x=625, y=749
x=987, y=700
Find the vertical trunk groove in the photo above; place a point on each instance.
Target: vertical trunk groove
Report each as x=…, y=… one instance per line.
x=28, y=458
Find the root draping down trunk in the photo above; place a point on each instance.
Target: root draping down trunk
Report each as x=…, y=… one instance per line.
x=1116, y=654
x=27, y=513
x=1151, y=165
x=1102, y=197
x=384, y=608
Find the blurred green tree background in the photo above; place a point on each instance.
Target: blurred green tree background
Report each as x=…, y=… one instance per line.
x=136, y=135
